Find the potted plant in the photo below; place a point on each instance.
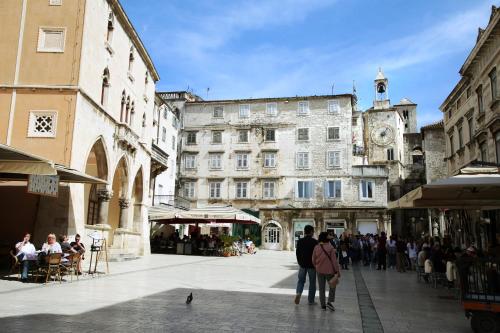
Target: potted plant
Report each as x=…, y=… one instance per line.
x=227, y=242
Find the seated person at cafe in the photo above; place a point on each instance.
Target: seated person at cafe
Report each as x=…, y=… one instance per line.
x=249, y=245
x=25, y=251
x=51, y=246
x=66, y=247
x=78, y=246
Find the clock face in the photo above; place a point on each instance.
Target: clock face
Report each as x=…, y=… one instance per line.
x=383, y=135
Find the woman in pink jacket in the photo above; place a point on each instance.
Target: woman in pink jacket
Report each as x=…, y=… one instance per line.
x=325, y=261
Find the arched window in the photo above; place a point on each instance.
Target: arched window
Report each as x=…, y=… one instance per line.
x=144, y=120
x=122, y=109
x=127, y=110
x=131, y=59
x=93, y=209
x=146, y=78
x=105, y=87
x=111, y=27
x=132, y=112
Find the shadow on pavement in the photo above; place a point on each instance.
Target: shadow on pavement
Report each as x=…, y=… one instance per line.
x=216, y=311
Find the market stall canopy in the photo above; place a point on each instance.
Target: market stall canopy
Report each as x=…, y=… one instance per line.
x=209, y=214
x=467, y=190
x=15, y=161
x=16, y=165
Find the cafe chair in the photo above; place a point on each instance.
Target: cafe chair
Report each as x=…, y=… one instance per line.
x=71, y=267
x=53, y=266
x=16, y=265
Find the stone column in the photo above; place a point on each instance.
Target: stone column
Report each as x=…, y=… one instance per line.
x=104, y=196
x=124, y=204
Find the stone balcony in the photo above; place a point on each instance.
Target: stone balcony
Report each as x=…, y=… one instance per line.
x=372, y=171
x=126, y=138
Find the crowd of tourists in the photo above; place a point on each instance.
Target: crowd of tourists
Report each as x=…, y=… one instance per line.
x=28, y=256
x=322, y=260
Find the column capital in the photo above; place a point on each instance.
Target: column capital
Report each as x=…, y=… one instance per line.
x=104, y=194
x=124, y=203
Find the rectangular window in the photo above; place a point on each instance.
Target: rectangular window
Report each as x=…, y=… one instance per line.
x=190, y=161
x=493, y=83
x=366, y=189
x=269, y=160
x=215, y=161
x=243, y=136
x=55, y=2
x=333, y=159
x=51, y=40
x=218, y=112
x=305, y=189
x=42, y=124
x=241, y=190
x=468, y=92
x=479, y=93
x=390, y=154
x=215, y=190
x=173, y=142
x=272, y=109
x=333, y=133
x=483, y=149
x=303, y=160
x=242, y=161
x=460, y=137
x=191, y=138
x=333, y=189
x=303, y=134
x=189, y=189
x=333, y=107
x=303, y=108
x=268, y=189
x=452, y=146
x=270, y=135
x=470, y=122
x=216, y=137
x=244, y=110
x=163, y=134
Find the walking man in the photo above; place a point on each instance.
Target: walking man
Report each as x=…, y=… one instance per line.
x=304, y=251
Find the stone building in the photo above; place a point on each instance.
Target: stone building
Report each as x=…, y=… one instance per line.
x=434, y=148
x=77, y=86
x=471, y=111
x=392, y=140
x=471, y=115
x=292, y=160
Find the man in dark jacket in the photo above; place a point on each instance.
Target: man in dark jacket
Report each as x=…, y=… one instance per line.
x=304, y=251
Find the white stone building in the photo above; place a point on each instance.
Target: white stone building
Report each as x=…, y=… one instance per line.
x=289, y=159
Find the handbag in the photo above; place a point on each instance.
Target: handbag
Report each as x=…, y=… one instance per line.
x=334, y=281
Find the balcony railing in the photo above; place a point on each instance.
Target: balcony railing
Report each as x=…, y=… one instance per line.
x=171, y=200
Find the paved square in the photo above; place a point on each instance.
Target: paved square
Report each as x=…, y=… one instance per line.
x=253, y=293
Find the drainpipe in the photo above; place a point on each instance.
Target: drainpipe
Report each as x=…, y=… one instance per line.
x=16, y=74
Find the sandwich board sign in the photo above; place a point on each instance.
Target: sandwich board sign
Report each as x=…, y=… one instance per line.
x=43, y=185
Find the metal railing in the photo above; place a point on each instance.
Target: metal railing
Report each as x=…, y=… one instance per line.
x=171, y=200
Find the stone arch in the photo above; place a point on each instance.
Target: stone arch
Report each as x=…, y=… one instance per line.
x=136, y=200
x=96, y=165
x=118, y=204
x=272, y=235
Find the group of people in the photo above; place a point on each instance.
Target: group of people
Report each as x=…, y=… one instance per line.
x=27, y=254
x=200, y=243
x=317, y=258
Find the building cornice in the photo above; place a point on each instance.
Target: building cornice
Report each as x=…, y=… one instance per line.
x=270, y=99
x=134, y=36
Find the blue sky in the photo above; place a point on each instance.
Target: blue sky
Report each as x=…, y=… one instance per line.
x=271, y=48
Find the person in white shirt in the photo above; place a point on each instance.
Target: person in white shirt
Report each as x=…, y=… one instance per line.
x=412, y=253
x=25, y=251
x=51, y=246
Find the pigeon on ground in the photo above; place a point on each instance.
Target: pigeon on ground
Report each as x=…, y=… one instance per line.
x=189, y=298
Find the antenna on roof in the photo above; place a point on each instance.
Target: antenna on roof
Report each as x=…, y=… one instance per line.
x=333, y=86
x=208, y=89
x=353, y=87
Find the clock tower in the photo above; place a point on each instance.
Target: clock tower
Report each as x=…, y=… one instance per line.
x=381, y=100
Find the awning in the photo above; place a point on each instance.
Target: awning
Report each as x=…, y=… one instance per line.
x=16, y=165
x=13, y=160
x=472, y=191
x=209, y=214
